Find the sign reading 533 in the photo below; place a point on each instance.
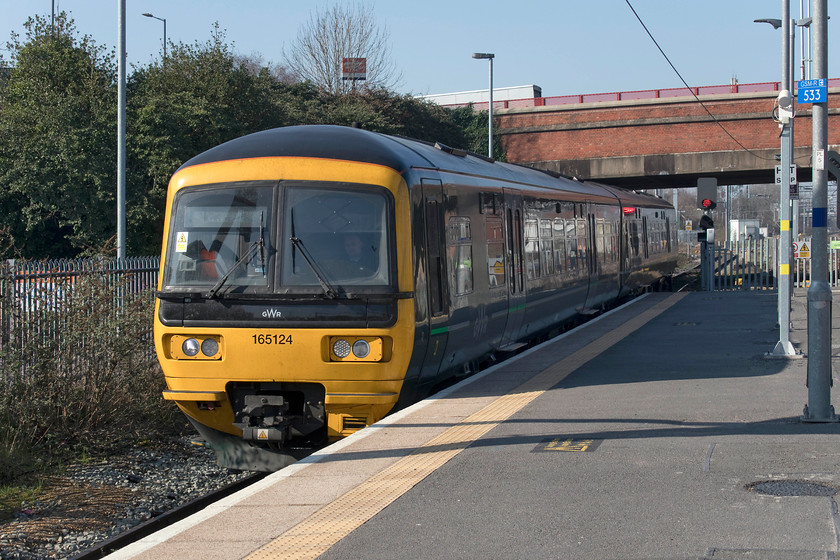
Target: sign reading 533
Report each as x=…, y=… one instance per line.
x=812, y=91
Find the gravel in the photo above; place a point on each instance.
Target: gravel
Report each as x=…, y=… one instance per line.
x=97, y=500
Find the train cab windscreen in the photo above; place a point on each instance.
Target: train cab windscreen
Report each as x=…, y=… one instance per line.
x=222, y=238
x=220, y=235
x=335, y=236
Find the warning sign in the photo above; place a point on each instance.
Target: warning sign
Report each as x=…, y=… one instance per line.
x=181, y=242
x=802, y=250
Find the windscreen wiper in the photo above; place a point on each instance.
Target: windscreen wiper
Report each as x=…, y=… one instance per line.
x=258, y=244
x=329, y=291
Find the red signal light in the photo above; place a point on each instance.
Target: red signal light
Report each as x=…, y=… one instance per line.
x=628, y=210
x=708, y=204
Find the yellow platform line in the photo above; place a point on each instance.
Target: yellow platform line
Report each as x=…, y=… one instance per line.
x=324, y=528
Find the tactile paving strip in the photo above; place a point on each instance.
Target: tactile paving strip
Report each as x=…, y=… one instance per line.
x=316, y=534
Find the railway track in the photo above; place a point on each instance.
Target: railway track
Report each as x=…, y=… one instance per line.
x=102, y=504
x=164, y=520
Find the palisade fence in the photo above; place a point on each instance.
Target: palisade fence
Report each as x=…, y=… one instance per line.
x=35, y=297
x=746, y=265
x=752, y=265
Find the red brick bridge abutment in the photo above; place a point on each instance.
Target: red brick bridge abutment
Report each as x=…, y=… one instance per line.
x=661, y=142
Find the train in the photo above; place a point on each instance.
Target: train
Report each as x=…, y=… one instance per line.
x=315, y=278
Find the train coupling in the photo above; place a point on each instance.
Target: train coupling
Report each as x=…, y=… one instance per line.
x=264, y=418
x=267, y=419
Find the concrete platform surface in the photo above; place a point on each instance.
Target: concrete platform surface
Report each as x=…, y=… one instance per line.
x=659, y=430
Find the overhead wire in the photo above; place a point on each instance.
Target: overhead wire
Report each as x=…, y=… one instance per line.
x=690, y=89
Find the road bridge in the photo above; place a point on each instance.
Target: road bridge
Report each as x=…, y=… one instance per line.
x=660, y=138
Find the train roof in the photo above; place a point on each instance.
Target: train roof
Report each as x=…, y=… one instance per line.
x=398, y=153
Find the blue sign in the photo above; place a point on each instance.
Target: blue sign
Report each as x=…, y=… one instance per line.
x=812, y=91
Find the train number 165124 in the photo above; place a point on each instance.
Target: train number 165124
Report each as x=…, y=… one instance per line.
x=272, y=338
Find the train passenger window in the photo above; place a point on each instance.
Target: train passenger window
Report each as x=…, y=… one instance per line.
x=336, y=235
x=220, y=234
x=547, y=246
x=634, y=237
x=600, y=245
x=559, y=245
x=459, y=251
x=571, y=247
x=582, y=246
x=532, y=249
x=495, y=251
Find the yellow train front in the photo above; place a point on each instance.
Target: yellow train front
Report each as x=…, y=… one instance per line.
x=282, y=296
x=315, y=277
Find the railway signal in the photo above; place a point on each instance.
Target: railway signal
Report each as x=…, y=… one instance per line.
x=707, y=193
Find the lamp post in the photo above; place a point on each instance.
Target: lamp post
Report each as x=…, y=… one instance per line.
x=164, y=30
x=121, y=87
x=490, y=57
x=819, y=407
x=805, y=23
x=785, y=118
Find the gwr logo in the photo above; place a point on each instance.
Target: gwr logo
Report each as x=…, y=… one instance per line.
x=272, y=313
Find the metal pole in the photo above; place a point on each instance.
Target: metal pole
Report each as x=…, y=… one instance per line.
x=490, y=57
x=728, y=215
x=794, y=202
x=802, y=41
x=164, y=37
x=819, y=407
x=490, y=126
x=121, y=134
x=784, y=346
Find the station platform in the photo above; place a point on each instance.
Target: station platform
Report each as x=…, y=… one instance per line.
x=660, y=430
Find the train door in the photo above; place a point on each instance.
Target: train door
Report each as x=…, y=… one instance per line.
x=437, y=284
x=604, y=275
x=515, y=270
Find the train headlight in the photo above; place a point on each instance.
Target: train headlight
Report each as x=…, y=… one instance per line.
x=356, y=349
x=195, y=347
x=190, y=347
x=361, y=349
x=341, y=348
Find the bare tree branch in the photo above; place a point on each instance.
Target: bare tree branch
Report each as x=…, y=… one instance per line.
x=342, y=31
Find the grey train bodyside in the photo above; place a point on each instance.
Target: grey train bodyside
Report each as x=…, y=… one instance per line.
x=568, y=249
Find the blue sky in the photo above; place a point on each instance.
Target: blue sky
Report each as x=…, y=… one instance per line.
x=564, y=46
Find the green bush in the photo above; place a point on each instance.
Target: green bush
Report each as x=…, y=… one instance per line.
x=78, y=370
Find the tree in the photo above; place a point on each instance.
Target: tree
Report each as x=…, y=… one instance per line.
x=200, y=96
x=58, y=141
x=342, y=31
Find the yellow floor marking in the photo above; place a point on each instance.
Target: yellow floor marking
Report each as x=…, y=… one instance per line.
x=320, y=531
x=574, y=445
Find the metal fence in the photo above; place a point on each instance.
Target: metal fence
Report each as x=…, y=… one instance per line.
x=746, y=265
x=629, y=95
x=801, y=269
x=33, y=294
x=752, y=265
